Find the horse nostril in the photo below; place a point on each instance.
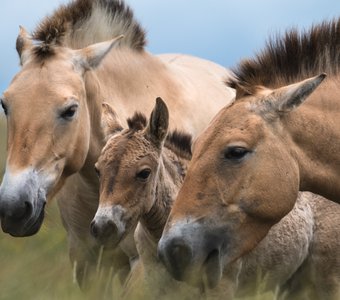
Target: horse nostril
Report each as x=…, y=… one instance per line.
x=104, y=230
x=28, y=207
x=94, y=229
x=177, y=256
x=21, y=211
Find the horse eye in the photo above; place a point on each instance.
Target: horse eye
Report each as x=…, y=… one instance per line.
x=69, y=112
x=144, y=174
x=235, y=153
x=4, y=107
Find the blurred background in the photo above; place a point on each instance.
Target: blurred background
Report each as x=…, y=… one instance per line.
x=217, y=30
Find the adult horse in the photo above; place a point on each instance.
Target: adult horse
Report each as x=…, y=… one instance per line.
x=278, y=137
x=53, y=108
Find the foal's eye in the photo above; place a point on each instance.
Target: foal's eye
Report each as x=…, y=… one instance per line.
x=4, y=107
x=69, y=112
x=235, y=153
x=144, y=174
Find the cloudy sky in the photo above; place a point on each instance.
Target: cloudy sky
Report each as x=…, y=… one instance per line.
x=219, y=30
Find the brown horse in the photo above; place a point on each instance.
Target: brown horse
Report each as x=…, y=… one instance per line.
x=141, y=171
x=53, y=108
x=278, y=137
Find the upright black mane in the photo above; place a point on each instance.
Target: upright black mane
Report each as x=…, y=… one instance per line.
x=137, y=122
x=292, y=57
x=83, y=22
x=181, y=141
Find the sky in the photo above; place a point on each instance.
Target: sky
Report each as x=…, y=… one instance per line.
x=223, y=31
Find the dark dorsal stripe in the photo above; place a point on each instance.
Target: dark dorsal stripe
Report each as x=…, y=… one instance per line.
x=292, y=57
x=68, y=19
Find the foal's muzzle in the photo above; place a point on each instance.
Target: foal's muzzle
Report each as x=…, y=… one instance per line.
x=105, y=231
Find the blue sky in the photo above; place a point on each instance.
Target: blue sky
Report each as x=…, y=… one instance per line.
x=219, y=30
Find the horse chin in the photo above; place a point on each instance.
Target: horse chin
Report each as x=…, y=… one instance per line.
x=212, y=270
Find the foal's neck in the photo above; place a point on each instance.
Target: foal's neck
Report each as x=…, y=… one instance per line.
x=170, y=177
x=315, y=133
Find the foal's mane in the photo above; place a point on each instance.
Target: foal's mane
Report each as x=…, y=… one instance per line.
x=84, y=22
x=292, y=57
x=177, y=141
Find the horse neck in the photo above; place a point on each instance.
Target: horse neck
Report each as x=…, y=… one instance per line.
x=131, y=80
x=169, y=179
x=314, y=131
x=94, y=98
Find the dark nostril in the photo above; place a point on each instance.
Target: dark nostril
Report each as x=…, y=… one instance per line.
x=182, y=254
x=94, y=229
x=177, y=256
x=21, y=211
x=104, y=230
x=29, y=208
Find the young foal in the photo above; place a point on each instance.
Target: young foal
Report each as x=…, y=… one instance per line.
x=280, y=135
x=141, y=171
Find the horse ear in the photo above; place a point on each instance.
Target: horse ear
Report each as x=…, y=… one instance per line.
x=287, y=98
x=23, y=45
x=91, y=56
x=110, y=121
x=159, y=122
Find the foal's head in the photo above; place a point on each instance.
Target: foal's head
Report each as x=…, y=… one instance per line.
x=127, y=168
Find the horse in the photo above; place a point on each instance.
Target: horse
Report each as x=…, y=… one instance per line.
x=279, y=136
x=83, y=54
x=141, y=170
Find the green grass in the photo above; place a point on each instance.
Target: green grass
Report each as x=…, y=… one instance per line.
x=37, y=267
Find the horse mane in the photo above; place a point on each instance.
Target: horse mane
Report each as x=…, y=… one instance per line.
x=291, y=57
x=177, y=141
x=84, y=22
x=137, y=122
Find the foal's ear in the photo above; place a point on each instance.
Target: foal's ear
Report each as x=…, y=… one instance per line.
x=23, y=45
x=110, y=121
x=287, y=98
x=91, y=56
x=159, y=122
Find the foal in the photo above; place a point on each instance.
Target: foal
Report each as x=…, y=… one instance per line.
x=141, y=169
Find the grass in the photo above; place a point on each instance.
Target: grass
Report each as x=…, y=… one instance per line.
x=37, y=267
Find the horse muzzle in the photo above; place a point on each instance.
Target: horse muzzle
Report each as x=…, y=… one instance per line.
x=108, y=226
x=22, y=204
x=192, y=254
